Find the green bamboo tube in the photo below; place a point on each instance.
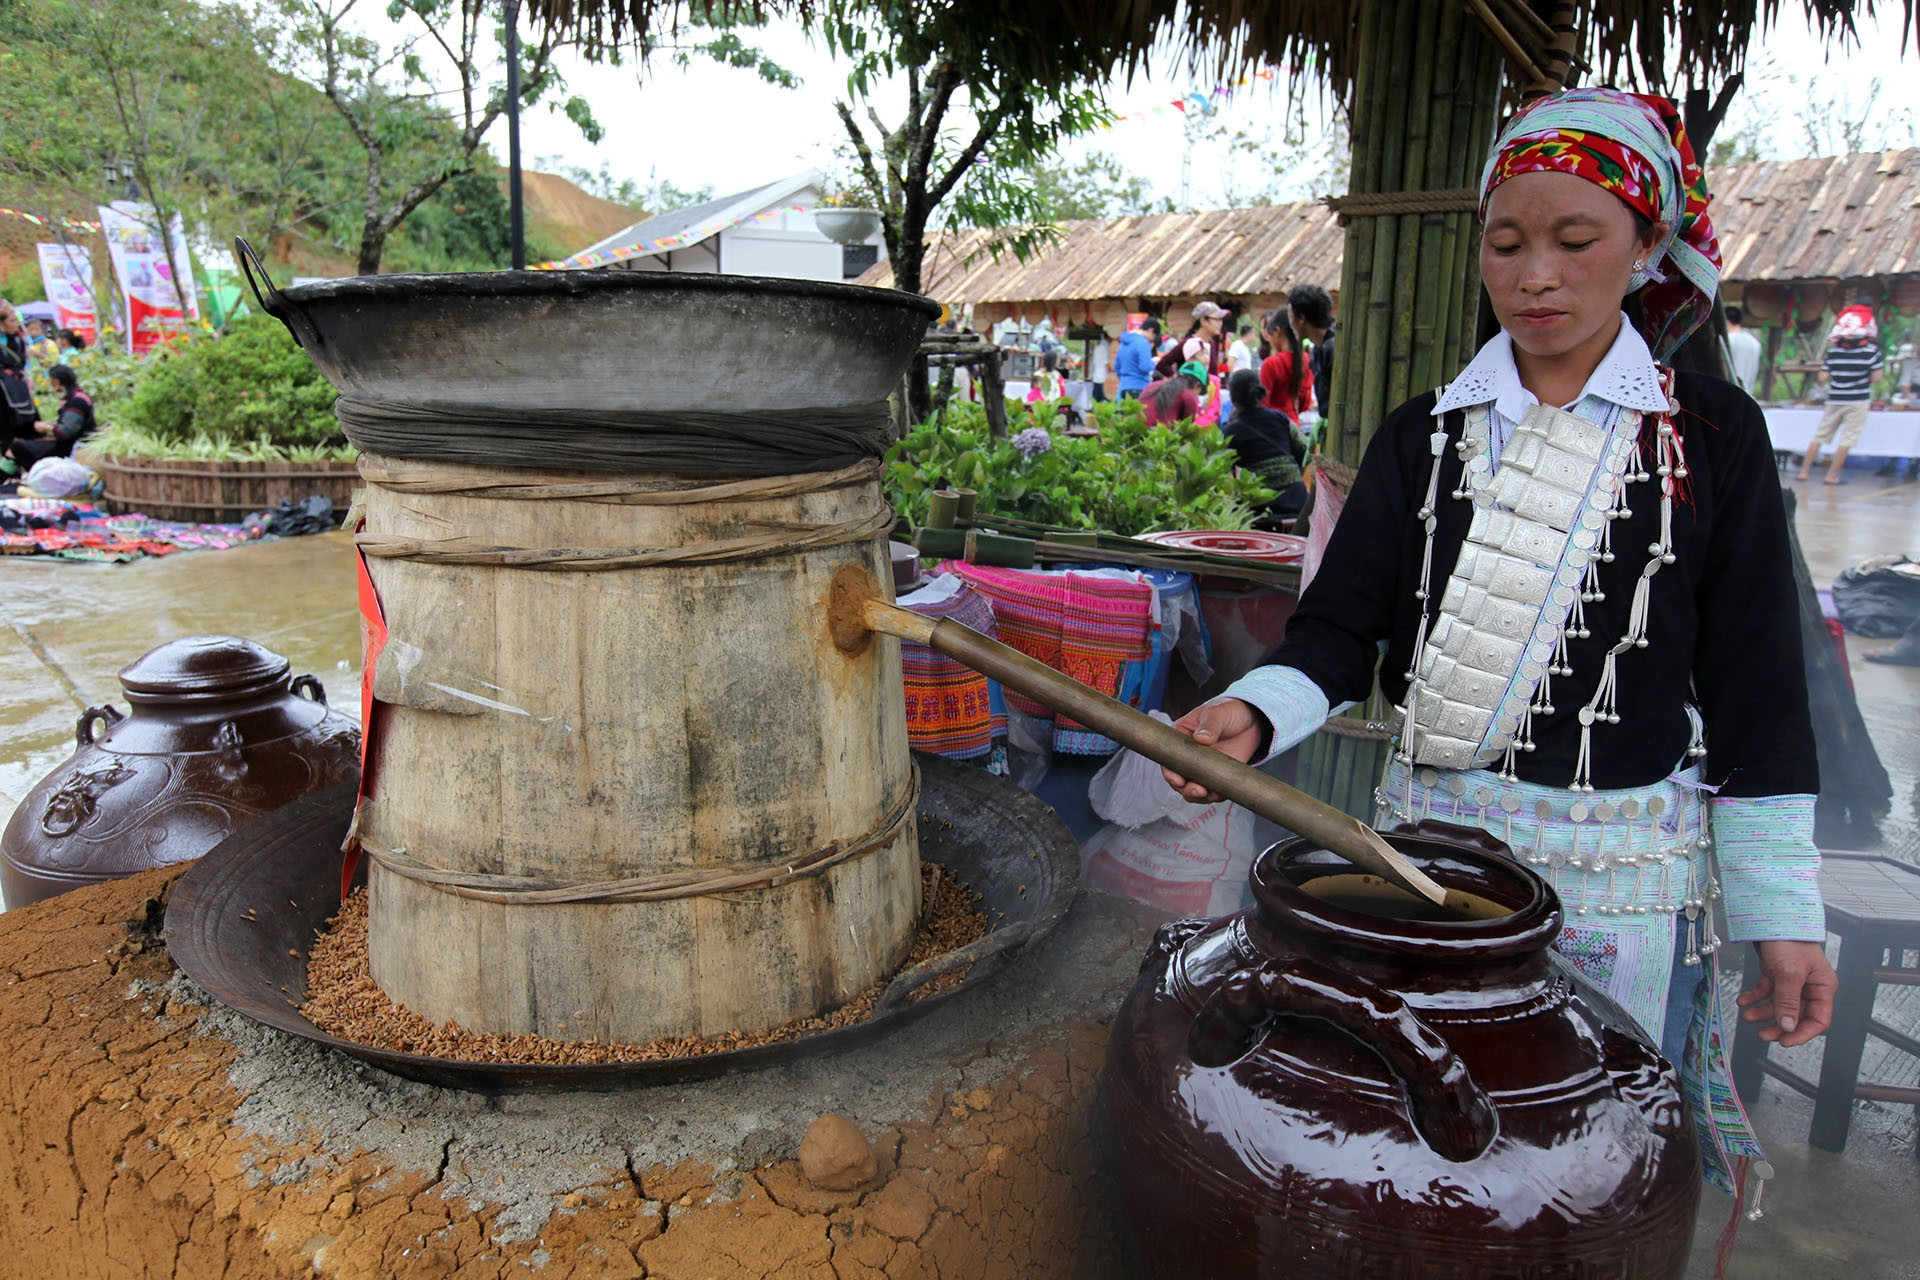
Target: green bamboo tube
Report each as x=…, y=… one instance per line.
x=1307, y=765
x=1376, y=762
x=1379, y=334
x=1336, y=411
x=1342, y=766
x=999, y=550
x=1459, y=225
x=943, y=509
x=1345, y=437
x=1343, y=787
x=968, y=499
x=1370, y=92
x=940, y=544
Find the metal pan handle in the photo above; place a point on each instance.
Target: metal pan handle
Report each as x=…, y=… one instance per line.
x=272, y=300
x=998, y=944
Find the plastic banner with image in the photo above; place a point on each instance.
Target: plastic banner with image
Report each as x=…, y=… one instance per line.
x=67, y=272
x=157, y=305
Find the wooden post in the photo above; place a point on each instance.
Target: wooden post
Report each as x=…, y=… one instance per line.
x=1774, y=334
x=993, y=394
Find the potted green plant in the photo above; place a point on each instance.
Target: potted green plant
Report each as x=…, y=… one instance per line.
x=211, y=428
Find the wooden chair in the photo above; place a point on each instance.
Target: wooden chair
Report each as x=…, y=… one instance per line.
x=1873, y=904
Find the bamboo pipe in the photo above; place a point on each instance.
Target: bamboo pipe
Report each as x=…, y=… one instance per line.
x=1217, y=771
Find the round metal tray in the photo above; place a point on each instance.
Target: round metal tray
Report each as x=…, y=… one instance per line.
x=284, y=869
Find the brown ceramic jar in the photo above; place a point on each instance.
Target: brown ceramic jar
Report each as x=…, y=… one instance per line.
x=217, y=736
x=1315, y=1088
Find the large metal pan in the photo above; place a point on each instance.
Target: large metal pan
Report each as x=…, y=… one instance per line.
x=284, y=870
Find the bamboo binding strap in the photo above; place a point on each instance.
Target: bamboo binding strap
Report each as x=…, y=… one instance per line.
x=528, y=486
x=689, y=442
x=1385, y=203
x=778, y=538
x=696, y=882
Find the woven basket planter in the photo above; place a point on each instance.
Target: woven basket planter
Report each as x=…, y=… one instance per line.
x=216, y=492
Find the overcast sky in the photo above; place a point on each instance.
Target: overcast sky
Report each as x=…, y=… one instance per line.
x=722, y=127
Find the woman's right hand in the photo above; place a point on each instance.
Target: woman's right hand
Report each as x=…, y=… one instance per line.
x=1228, y=725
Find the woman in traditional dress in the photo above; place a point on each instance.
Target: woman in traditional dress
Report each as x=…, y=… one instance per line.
x=1577, y=564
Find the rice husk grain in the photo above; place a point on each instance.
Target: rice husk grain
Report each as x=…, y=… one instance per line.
x=343, y=1000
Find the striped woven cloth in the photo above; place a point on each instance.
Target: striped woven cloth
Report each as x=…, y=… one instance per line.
x=952, y=710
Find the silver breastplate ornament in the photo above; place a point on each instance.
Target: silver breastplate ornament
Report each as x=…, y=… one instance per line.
x=1486, y=656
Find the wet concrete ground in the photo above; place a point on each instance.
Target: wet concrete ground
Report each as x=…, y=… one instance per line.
x=70, y=627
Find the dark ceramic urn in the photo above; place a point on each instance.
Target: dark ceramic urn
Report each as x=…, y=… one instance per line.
x=216, y=734
x=1319, y=1087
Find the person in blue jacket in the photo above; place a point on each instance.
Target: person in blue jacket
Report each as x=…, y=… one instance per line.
x=1133, y=365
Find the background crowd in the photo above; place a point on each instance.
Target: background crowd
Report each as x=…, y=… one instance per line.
x=27, y=435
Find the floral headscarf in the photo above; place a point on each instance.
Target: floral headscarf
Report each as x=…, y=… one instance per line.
x=1635, y=146
x=1854, y=324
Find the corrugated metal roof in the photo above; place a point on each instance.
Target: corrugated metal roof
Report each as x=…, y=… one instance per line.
x=1223, y=253
x=712, y=215
x=1828, y=218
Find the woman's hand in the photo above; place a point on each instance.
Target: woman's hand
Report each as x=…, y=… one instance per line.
x=1228, y=725
x=1794, y=994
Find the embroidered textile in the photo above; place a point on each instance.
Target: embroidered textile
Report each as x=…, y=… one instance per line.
x=1636, y=147
x=1767, y=858
x=1626, y=377
x=1630, y=959
x=79, y=531
x=951, y=707
x=1638, y=851
x=1085, y=625
x=1706, y=1076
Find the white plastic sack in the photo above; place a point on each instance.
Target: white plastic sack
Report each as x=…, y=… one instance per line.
x=1130, y=789
x=1192, y=864
x=57, y=478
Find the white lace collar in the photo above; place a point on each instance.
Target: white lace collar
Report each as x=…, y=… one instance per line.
x=1626, y=376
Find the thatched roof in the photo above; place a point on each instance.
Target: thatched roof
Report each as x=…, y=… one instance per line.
x=1828, y=219
x=1227, y=253
x=1831, y=218
x=1713, y=35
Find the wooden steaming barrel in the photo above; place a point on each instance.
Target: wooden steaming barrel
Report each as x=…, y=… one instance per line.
x=628, y=681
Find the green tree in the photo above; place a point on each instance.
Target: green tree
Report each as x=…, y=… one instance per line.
x=388, y=97
x=1099, y=185
x=1264, y=161
x=1022, y=100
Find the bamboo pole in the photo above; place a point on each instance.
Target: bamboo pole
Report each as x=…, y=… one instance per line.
x=1396, y=59
x=1434, y=289
x=1346, y=438
x=1414, y=176
x=1163, y=744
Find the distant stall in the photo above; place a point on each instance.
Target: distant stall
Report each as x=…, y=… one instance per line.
x=1803, y=238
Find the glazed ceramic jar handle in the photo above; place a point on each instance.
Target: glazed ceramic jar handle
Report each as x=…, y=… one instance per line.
x=1447, y=1108
x=308, y=687
x=83, y=731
